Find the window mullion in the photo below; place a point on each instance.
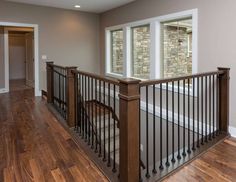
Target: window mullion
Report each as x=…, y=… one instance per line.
x=127, y=52
x=155, y=50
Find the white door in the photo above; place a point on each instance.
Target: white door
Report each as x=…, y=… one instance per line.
x=29, y=45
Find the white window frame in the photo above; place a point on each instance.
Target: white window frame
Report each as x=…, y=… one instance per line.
x=155, y=54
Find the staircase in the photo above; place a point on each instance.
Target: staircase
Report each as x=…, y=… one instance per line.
x=100, y=115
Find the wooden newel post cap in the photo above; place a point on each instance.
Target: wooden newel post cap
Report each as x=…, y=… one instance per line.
x=49, y=62
x=226, y=72
x=71, y=68
x=129, y=81
x=223, y=69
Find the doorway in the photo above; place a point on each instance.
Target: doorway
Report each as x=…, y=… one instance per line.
x=11, y=26
x=21, y=58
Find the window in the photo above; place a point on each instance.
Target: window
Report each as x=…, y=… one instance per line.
x=160, y=47
x=176, y=47
x=117, y=51
x=141, y=52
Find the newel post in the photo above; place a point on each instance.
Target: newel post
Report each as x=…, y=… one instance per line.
x=224, y=99
x=129, y=130
x=49, y=67
x=70, y=96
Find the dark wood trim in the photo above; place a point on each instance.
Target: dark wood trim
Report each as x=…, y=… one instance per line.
x=70, y=96
x=224, y=99
x=129, y=130
x=49, y=82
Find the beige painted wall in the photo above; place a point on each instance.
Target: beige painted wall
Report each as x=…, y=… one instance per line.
x=2, y=76
x=216, y=35
x=17, y=56
x=66, y=37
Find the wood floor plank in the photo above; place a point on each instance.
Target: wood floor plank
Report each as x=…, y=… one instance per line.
x=58, y=176
x=8, y=175
x=217, y=165
x=34, y=145
x=77, y=174
x=37, y=173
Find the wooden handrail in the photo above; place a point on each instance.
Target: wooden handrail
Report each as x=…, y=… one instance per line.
x=166, y=80
x=98, y=77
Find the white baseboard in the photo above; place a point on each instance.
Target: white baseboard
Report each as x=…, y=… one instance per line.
x=232, y=131
x=3, y=90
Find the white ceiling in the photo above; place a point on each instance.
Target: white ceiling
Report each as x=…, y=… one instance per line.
x=95, y=6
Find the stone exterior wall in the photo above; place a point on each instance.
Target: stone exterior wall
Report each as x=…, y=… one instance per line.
x=117, y=52
x=141, y=52
x=177, y=58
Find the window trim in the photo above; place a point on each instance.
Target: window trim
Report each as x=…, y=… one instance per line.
x=155, y=54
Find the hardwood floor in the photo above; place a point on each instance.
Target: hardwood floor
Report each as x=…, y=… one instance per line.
x=35, y=147
x=216, y=165
x=17, y=85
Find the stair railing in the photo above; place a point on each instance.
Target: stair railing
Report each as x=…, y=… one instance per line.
x=162, y=123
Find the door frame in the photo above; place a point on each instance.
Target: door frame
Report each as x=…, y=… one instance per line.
x=36, y=54
x=27, y=81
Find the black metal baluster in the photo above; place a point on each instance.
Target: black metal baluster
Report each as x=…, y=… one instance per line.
x=54, y=85
x=89, y=113
x=114, y=129
x=65, y=92
x=147, y=134
x=213, y=100
x=63, y=96
x=104, y=121
x=161, y=160
x=167, y=126
x=173, y=122
x=217, y=106
x=184, y=152
x=189, y=150
x=59, y=90
x=100, y=119
x=82, y=104
x=193, y=100
x=178, y=156
x=96, y=117
x=85, y=109
x=140, y=175
x=202, y=98
x=75, y=101
x=210, y=113
x=154, y=129
x=109, y=126
x=198, y=118
x=92, y=120
x=206, y=78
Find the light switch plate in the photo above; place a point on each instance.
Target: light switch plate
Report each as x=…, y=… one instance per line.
x=141, y=147
x=44, y=57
